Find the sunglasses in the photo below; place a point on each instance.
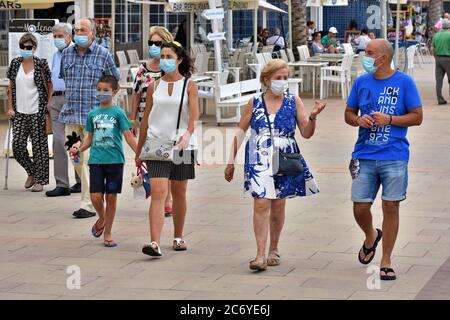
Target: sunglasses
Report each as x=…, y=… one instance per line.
x=23, y=47
x=156, y=43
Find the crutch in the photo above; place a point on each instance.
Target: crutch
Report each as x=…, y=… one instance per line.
x=7, y=156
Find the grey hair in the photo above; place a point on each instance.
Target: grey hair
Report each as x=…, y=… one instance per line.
x=93, y=24
x=446, y=24
x=67, y=27
x=277, y=31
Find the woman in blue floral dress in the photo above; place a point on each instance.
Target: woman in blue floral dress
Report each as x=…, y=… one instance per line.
x=284, y=112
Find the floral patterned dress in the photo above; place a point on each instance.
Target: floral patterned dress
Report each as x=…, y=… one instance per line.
x=143, y=79
x=259, y=181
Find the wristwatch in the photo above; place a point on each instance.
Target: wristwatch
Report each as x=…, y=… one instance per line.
x=312, y=119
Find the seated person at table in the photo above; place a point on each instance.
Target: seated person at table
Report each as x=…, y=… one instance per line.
x=362, y=41
x=276, y=40
x=329, y=41
x=317, y=46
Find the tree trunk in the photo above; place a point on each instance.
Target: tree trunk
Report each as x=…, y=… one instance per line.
x=299, y=36
x=434, y=14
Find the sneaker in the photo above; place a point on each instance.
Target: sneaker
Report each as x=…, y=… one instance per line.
x=37, y=188
x=58, y=191
x=76, y=188
x=152, y=249
x=29, y=183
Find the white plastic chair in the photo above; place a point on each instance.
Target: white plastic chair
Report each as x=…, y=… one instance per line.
x=410, y=53
x=122, y=59
x=284, y=56
x=290, y=55
x=303, y=52
x=134, y=57
x=338, y=74
x=267, y=56
x=348, y=49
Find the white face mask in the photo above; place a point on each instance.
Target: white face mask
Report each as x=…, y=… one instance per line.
x=278, y=87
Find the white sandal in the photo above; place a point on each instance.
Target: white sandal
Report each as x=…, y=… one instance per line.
x=152, y=249
x=179, y=244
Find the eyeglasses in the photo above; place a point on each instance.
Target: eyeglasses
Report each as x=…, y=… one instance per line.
x=23, y=47
x=155, y=43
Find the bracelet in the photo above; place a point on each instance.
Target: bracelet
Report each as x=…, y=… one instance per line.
x=312, y=119
x=390, y=119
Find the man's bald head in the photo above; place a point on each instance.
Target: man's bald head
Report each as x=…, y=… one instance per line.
x=380, y=47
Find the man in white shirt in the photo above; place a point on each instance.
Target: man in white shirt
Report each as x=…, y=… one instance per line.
x=362, y=41
x=276, y=40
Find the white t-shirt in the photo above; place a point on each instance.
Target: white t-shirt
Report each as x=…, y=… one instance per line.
x=27, y=96
x=275, y=40
x=162, y=121
x=362, y=41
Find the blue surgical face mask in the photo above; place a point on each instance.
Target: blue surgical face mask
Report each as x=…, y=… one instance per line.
x=168, y=65
x=60, y=43
x=26, y=54
x=278, y=87
x=81, y=41
x=104, y=96
x=154, y=51
x=368, y=64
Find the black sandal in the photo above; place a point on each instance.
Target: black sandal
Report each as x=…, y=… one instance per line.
x=370, y=250
x=385, y=276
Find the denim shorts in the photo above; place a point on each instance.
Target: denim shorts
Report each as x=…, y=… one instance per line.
x=105, y=178
x=392, y=175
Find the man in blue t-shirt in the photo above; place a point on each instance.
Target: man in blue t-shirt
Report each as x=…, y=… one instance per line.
x=383, y=103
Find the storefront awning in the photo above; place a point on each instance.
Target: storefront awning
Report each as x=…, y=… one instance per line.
x=28, y=4
x=320, y=3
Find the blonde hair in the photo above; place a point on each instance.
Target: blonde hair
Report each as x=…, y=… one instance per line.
x=162, y=32
x=270, y=68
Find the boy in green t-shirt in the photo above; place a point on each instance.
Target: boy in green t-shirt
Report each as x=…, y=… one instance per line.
x=105, y=126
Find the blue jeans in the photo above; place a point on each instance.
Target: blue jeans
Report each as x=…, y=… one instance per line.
x=392, y=175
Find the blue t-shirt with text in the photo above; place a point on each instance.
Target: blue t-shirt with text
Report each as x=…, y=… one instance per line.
x=396, y=96
x=107, y=125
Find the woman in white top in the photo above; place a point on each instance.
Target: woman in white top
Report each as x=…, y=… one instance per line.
x=29, y=97
x=149, y=72
x=159, y=122
x=362, y=41
x=317, y=46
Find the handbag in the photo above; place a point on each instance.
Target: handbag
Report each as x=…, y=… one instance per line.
x=285, y=164
x=48, y=118
x=162, y=149
x=141, y=183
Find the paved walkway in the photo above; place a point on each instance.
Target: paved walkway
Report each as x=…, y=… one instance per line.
x=39, y=239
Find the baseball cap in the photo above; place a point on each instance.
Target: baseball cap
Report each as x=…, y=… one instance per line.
x=333, y=30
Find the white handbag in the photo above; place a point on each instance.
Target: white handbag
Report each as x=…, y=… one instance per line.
x=162, y=149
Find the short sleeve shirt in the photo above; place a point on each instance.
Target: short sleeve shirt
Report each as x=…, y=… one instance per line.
x=107, y=125
x=396, y=96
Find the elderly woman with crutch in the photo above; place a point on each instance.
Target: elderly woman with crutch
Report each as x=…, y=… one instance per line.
x=29, y=95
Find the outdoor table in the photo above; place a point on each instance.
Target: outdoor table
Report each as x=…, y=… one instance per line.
x=199, y=78
x=329, y=58
x=313, y=65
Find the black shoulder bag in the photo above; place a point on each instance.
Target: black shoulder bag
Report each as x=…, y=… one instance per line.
x=285, y=164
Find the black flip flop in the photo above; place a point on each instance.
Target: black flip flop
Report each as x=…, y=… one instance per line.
x=386, y=277
x=370, y=250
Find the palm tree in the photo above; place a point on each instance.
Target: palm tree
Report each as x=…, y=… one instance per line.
x=298, y=14
x=434, y=13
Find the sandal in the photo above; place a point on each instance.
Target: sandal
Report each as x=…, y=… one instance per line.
x=168, y=212
x=97, y=232
x=152, y=249
x=273, y=258
x=258, y=264
x=179, y=244
x=109, y=243
x=370, y=250
x=386, y=276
